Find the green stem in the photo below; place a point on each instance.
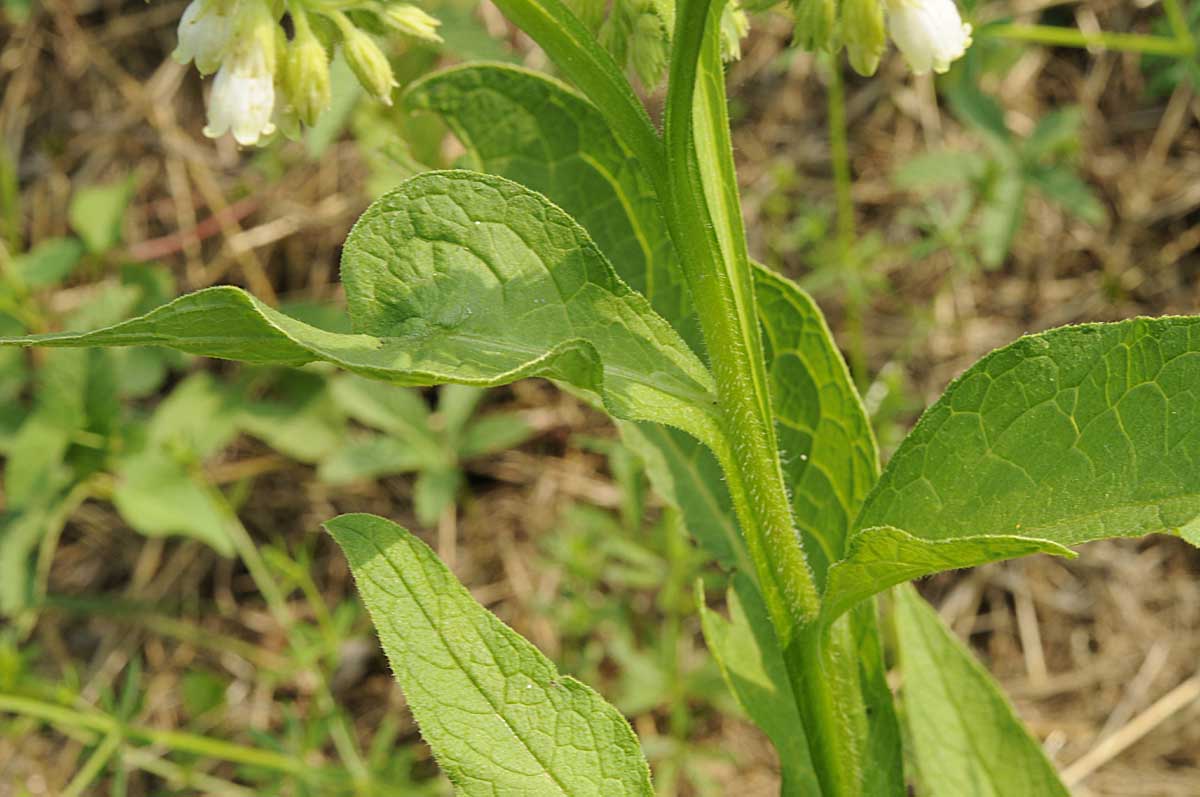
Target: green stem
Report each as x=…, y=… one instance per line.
x=839, y=150
x=1070, y=37
x=704, y=219
x=575, y=50
x=94, y=765
x=1179, y=23
x=180, y=742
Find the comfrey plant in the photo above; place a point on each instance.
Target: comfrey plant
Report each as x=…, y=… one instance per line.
x=590, y=249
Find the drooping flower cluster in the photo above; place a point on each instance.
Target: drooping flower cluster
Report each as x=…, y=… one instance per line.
x=264, y=81
x=929, y=33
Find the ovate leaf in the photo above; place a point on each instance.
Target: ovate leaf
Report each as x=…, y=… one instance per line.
x=965, y=737
x=1077, y=434
x=459, y=277
x=497, y=714
x=530, y=128
x=157, y=496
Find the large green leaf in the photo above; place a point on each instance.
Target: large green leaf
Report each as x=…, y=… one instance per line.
x=965, y=737
x=497, y=714
x=1076, y=434
x=530, y=128
x=459, y=277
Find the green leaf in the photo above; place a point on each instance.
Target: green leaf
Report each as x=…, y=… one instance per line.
x=575, y=50
x=459, y=277
x=491, y=434
x=400, y=412
x=965, y=737
x=497, y=714
x=434, y=491
x=49, y=262
x=456, y=405
x=538, y=132
x=96, y=212
x=197, y=420
x=748, y=654
x=687, y=476
x=1077, y=434
x=881, y=557
x=940, y=169
x=157, y=496
x=830, y=460
x=367, y=458
x=1065, y=188
x=1000, y=215
x=301, y=420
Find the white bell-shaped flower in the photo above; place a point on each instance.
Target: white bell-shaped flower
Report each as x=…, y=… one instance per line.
x=204, y=33
x=930, y=33
x=243, y=95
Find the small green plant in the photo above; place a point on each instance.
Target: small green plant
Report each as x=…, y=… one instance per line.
x=591, y=249
x=986, y=208
x=434, y=445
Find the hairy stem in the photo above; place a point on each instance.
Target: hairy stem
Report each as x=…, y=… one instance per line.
x=704, y=218
x=839, y=151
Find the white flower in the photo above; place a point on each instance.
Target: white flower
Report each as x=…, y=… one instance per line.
x=930, y=33
x=243, y=95
x=204, y=33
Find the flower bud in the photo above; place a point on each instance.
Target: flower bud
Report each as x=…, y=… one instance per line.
x=864, y=34
x=204, y=33
x=368, y=63
x=814, y=23
x=306, y=74
x=930, y=33
x=411, y=21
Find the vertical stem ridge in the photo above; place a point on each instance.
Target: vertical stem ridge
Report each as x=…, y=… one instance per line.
x=717, y=269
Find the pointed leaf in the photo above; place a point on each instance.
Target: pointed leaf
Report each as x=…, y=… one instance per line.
x=965, y=736
x=1077, y=434
x=459, y=277
x=495, y=711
